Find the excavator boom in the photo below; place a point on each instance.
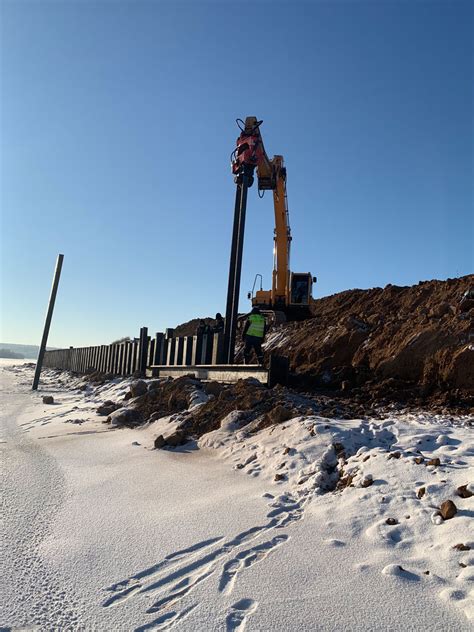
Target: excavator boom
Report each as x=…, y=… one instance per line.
x=290, y=292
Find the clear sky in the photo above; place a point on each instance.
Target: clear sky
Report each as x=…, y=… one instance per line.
x=118, y=120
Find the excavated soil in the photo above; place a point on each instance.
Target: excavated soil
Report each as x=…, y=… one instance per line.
x=364, y=353
x=258, y=404
x=412, y=344
x=165, y=397
x=190, y=328
x=271, y=406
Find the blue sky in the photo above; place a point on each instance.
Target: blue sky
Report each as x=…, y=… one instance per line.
x=118, y=120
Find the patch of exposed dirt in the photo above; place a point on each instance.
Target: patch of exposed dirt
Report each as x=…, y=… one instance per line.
x=410, y=344
x=166, y=397
x=269, y=406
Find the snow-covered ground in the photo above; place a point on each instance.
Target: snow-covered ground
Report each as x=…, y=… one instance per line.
x=101, y=532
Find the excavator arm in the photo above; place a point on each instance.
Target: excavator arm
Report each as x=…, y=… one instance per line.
x=282, y=235
x=271, y=176
x=287, y=288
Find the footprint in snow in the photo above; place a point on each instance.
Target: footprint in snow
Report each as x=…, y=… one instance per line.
x=460, y=598
x=245, y=559
x=166, y=621
x=171, y=580
x=335, y=543
x=236, y=620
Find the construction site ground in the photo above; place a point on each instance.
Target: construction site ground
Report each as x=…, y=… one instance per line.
x=366, y=351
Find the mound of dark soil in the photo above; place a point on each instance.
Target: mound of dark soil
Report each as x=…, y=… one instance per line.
x=413, y=340
x=271, y=406
x=189, y=328
x=166, y=397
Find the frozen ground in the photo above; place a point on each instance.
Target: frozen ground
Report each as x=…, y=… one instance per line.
x=102, y=533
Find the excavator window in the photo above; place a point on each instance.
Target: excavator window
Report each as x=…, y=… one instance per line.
x=299, y=289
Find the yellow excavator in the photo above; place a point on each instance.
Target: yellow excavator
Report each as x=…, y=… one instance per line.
x=291, y=295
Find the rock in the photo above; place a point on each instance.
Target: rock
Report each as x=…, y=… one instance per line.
x=225, y=395
x=421, y=492
x=213, y=388
x=419, y=460
x=280, y=414
x=367, y=481
x=138, y=387
x=286, y=450
x=339, y=449
x=462, y=547
x=279, y=477
x=159, y=442
x=394, y=455
x=107, y=408
x=435, y=462
x=440, y=310
x=463, y=491
x=448, y=510
x=154, y=385
x=175, y=439
x=391, y=521
x=48, y=399
x=345, y=481
x=124, y=417
x=155, y=416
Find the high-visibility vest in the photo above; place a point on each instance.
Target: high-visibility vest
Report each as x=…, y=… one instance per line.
x=257, y=326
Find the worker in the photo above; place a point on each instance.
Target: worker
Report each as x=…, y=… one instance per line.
x=253, y=335
x=219, y=326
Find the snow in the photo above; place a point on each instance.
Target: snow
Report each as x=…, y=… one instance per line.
x=102, y=532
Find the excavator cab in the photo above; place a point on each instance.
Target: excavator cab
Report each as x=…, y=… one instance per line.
x=279, y=309
x=301, y=285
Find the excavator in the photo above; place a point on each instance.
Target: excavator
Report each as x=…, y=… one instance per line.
x=291, y=295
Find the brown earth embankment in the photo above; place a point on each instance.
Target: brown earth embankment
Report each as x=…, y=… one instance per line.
x=386, y=338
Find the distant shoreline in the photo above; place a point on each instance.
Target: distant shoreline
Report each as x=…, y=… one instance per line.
x=14, y=351
x=11, y=355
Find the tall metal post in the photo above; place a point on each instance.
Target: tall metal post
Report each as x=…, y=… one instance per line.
x=235, y=267
x=49, y=315
x=143, y=350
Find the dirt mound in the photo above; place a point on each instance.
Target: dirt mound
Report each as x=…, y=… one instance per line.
x=189, y=328
x=166, y=397
x=245, y=395
x=396, y=337
x=269, y=406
